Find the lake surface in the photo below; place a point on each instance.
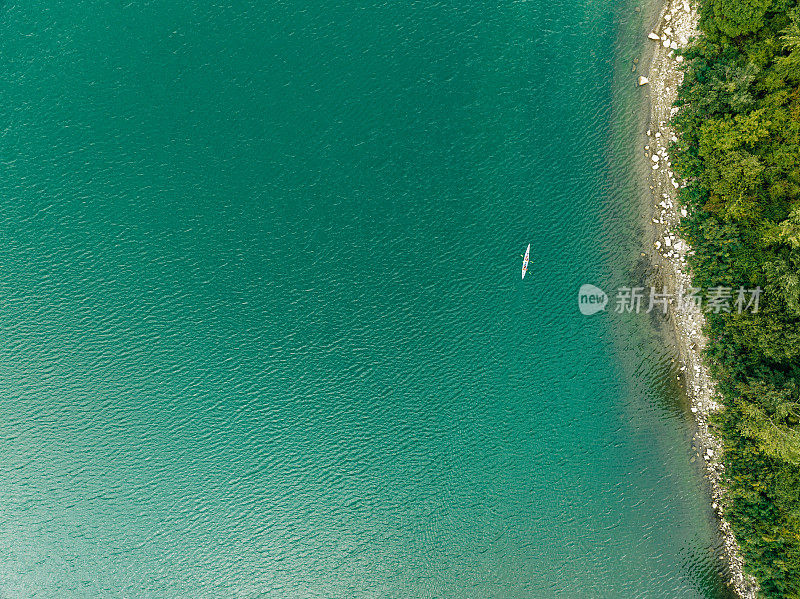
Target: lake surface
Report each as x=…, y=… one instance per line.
x=263, y=331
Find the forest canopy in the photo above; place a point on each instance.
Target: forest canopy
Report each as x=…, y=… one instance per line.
x=738, y=150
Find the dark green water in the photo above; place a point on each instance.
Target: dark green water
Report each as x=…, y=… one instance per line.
x=262, y=328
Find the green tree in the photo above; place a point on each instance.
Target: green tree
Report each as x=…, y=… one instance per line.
x=735, y=18
x=768, y=416
x=789, y=66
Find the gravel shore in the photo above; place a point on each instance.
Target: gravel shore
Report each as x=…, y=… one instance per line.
x=675, y=25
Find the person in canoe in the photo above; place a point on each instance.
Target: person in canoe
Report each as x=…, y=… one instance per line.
x=525, y=260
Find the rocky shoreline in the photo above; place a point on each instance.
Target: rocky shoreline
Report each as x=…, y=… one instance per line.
x=675, y=25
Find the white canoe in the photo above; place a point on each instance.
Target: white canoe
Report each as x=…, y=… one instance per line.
x=525, y=261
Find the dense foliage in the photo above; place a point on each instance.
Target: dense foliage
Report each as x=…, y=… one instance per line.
x=739, y=151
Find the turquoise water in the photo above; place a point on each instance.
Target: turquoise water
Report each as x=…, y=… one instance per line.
x=263, y=332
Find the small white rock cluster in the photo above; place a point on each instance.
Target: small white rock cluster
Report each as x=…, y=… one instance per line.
x=676, y=26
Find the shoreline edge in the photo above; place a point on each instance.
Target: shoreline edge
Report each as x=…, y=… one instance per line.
x=675, y=26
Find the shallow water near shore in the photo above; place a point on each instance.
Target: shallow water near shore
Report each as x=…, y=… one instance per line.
x=264, y=333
